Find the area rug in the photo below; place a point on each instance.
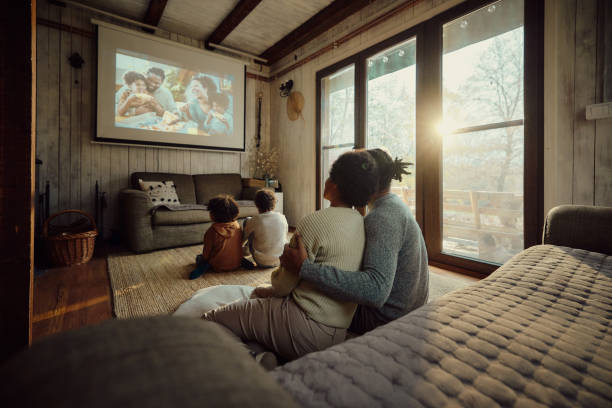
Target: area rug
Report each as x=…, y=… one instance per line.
x=440, y=285
x=157, y=283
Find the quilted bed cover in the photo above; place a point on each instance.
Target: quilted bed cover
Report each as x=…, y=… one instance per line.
x=534, y=333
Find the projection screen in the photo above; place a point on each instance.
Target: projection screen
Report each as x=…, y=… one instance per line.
x=153, y=91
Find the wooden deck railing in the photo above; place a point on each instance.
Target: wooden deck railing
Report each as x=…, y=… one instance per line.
x=477, y=216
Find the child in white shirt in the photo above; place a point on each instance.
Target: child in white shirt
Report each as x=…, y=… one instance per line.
x=266, y=233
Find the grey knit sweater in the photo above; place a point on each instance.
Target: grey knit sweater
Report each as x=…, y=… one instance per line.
x=394, y=279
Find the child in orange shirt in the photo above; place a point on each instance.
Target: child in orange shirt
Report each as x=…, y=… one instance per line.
x=223, y=241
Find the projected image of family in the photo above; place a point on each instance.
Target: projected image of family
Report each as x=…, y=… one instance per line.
x=154, y=96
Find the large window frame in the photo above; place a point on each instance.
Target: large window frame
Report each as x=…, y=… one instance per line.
x=429, y=112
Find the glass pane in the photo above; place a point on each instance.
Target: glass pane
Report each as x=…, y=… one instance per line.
x=328, y=156
x=337, y=119
x=390, y=115
x=483, y=194
x=338, y=107
x=483, y=66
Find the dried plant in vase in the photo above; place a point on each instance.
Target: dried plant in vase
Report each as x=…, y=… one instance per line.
x=266, y=163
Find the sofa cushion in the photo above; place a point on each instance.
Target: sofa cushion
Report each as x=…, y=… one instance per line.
x=183, y=182
x=163, y=216
x=154, y=362
x=209, y=185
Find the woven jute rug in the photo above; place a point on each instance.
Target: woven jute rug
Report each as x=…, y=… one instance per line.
x=158, y=282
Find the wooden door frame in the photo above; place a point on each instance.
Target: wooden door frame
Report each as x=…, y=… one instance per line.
x=17, y=151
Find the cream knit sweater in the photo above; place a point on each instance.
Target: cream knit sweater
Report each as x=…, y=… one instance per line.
x=334, y=236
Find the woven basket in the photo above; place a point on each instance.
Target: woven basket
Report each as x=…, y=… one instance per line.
x=70, y=248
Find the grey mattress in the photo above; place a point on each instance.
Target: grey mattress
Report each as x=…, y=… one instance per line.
x=535, y=333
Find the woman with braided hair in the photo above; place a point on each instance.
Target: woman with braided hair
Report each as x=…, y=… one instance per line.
x=394, y=278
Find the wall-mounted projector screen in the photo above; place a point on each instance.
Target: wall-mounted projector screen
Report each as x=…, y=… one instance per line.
x=155, y=92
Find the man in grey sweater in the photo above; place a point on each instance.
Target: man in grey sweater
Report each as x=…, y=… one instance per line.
x=394, y=279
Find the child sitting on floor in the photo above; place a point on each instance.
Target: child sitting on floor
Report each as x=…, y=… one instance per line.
x=223, y=241
x=266, y=232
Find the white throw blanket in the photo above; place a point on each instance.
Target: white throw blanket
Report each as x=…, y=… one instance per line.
x=207, y=299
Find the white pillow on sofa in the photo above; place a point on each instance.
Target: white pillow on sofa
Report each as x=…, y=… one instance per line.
x=161, y=192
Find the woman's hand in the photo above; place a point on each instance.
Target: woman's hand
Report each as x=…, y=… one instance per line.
x=293, y=257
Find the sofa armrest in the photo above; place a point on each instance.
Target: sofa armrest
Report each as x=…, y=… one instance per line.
x=163, y=361
x=579, y=226
x=135, y=213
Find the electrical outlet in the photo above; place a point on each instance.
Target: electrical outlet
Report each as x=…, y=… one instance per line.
x=599, y=111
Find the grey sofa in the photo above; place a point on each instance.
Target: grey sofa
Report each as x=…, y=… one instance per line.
x=145, y=228
x=535, y=333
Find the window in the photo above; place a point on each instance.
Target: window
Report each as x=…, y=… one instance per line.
x=337, y=118
x=460, y=96
x=390, y=109
x=482, y=131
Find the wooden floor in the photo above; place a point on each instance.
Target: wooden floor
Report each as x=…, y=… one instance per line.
x=71, y=297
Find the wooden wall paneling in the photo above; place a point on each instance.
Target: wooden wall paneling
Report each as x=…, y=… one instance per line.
x=119, y=181
x=172, y=160
x=198, y=162
x=603, y=163
x=559, y=59
x=231, y=162
x=186, y=161
x=307, y=202
x=137, y=159
x=95, y=154
x=163, y=158
x=87, y=108
x=214, y=162
x=105, y=185
x=151, y=159
x=52, y=167
x=75, y=111
x=585, y=89
x=65, y=93
x=42, y=98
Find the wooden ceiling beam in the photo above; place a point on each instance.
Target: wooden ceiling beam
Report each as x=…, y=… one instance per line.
x=231, y=21
x=154, y=13
x=316, y=25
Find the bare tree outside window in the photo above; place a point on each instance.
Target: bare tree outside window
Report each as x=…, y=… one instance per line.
x=483, y=143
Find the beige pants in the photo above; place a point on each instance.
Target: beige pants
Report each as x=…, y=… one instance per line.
x=278, y=324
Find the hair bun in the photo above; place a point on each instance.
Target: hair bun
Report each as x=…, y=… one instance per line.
x=399, y=168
